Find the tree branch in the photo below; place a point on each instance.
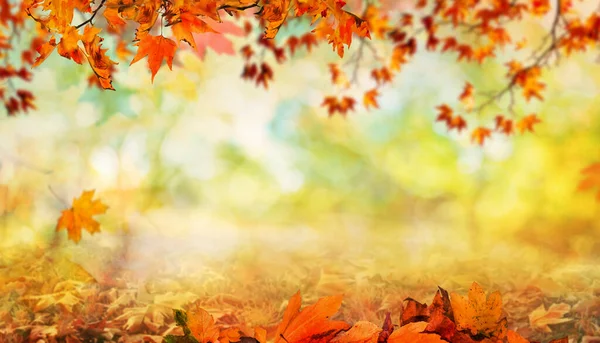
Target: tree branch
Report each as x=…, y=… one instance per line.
x=89, y=21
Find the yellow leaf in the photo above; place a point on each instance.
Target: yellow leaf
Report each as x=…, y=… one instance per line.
x=478, y=314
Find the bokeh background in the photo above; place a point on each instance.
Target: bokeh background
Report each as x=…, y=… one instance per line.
x=207, y=175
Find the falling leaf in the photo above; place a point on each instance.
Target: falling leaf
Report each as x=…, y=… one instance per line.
x=79, y=216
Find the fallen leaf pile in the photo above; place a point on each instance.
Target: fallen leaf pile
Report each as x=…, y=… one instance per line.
x=45, y=297
x=55, y=300
x=453, y=318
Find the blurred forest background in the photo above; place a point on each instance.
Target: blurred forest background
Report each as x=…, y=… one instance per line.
x=203, y=169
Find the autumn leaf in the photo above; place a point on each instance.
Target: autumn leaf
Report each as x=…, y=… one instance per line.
x=360, y=332
x=445, y=113
x=504, y=125
x=274, y=13
x=68, y=46
x=79, y=216
x=413, y=332
x=457, y=122
x=44, y=50
x=202, y=325
x=540, y=318
x=413, y=311
x=218, y=41
x=441, y=316
x=480, y=134
x=338, y=77
x=527, y=123
x=370, y=98
x=156, y=48
x=312, y=324
x=513, y=337
x=229, y=335
x=101, y=64
x=386, y=329
x=590, y=179
x=188, y=24
x=478, y=314
x=466, y=97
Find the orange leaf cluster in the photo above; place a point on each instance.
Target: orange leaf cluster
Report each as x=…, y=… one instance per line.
x=340, y=105
x=15, y=63
x=449, y=318
x=480, y=134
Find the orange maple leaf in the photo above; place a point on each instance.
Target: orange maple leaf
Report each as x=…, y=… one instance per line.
x=370, y=98
x=79, y=216
x=457, y=122
x=413, y=332
x=68, y=46
x=504, y=125
x=101, y=64
x=274, y=13
x=312, y=324
x=338, y=77
x=156, y=48
x=478, y=314
x=591, y=179
x=480, y=134
x=44, y=50
x=466, y=97
x=445, y=113
x=527, y=123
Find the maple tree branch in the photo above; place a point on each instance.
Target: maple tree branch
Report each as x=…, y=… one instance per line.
x=239, y=8
x=89, y=21
x=359, y=55
x=539, y=61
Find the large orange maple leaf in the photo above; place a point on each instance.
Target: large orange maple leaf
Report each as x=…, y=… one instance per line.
x=79, y=216
x=156, y=48
x=312, y=324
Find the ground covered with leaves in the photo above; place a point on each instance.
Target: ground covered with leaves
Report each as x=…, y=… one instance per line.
x=46, y=297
